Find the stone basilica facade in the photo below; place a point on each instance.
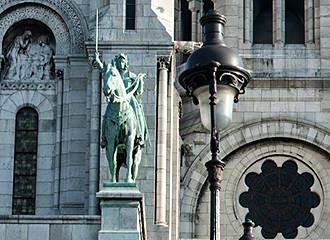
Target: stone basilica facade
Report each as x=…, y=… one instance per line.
x=277, y=150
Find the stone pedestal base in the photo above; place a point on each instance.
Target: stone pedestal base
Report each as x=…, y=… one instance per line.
x=122, y=212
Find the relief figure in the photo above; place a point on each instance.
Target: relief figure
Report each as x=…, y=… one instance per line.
x=30, y=60
x=17, y=53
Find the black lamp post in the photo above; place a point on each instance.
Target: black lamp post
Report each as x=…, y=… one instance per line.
x=214, y=77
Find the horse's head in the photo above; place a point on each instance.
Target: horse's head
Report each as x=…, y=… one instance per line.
x=113, y=72
x=115, y=81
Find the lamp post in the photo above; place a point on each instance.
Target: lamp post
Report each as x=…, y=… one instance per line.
x=214, y=77
x=247, y=235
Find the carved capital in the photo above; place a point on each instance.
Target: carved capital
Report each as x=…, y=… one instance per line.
x=59, y=74
x=194, y=5
x=164, y=62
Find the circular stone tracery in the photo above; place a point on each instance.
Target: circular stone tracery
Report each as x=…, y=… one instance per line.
x=279, y=199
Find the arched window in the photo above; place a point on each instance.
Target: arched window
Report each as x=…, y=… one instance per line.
x=130, y=14
x=186, y=20
x=263, y=21
x=294, y=22
x=25, y=161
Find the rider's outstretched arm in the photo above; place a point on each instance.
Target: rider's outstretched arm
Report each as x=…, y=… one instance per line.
x=98, y=61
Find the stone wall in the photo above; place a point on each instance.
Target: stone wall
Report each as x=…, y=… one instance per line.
x=287, y=101
x=248, y=159
x=44, y=102
x=49, y=227
x=70, y=106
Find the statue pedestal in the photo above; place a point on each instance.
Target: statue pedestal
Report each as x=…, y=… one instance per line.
x=122, y=210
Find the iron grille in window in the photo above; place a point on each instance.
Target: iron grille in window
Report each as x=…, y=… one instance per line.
x=25, y=162
x=130, y=14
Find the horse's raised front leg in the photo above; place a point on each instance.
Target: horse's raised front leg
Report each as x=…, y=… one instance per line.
x=136, y=163
x=129, y=157
x=112, y=160
x=103, y=137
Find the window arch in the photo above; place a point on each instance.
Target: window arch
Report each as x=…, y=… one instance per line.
x=263, y=21
x=25, y=161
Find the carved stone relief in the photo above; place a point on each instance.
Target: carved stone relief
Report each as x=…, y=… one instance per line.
x=28, y=60
x=46, y=16
x=27, y=86
x=66, y=23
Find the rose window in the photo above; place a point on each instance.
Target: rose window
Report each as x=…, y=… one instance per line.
x=279, y=199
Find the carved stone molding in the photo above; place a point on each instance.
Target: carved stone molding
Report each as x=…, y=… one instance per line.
x=59, y=15
x=27, y=86
x=186, y=46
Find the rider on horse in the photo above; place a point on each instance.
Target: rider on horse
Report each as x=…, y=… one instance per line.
x=130, y=80
x=123, y=122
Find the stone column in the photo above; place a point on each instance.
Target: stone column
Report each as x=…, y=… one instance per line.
x=317, y=21
x=163, y=64
x=278, y=23
x=198, y=27
x=74, y=170
x=60, y=65
x=309, y=22
x=248, y=22
x=94, y=143
x=324, y=37
x=175, y=188
x=194, y=7
x=170, y=147
x=194, y=25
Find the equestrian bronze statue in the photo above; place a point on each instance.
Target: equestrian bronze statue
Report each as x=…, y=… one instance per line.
x=124, y=128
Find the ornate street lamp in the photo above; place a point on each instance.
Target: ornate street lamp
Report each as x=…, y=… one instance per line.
x=214, y=77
